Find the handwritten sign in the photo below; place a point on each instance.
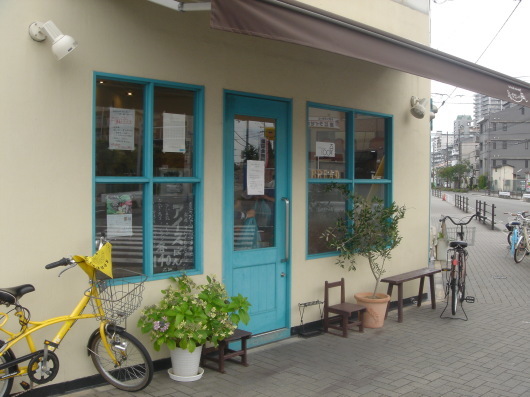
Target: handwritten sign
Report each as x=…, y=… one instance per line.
x=121, y=129
x=325, y=149
x=255, y=177
x=174, y=133
x=173, y=238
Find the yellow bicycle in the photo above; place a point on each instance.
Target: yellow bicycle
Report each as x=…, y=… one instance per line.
x=119, y=357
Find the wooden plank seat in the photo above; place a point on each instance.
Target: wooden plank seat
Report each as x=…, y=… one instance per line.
x=399, y=279
x=341, y=312
x=222, y=352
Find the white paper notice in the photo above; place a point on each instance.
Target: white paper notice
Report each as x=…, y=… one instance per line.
x=121, y=129
x=325, y=149
x=255, y=178
x=174, y=133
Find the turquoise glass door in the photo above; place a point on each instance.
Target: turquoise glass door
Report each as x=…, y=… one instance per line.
x=257, y=207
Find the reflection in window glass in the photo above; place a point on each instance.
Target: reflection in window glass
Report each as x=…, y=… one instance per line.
x=371, y=190
x=326, y=205
x=173, y=229
x=119, y=128
x=119, y=216
x=369, y=147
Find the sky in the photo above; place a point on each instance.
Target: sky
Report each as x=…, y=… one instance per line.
x=465, y=28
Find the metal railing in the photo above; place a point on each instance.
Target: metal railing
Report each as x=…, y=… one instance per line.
x=462, y=202
x=486, y=212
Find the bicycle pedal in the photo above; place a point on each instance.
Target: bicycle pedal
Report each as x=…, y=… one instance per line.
x=25, y=385
x=470, y=299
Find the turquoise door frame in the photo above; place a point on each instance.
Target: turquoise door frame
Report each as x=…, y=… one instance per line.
x=261, y=270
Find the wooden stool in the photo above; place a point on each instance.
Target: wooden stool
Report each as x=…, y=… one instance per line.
x=222, y=352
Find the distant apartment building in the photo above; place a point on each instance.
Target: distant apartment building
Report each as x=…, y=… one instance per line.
x=503, y=140
x=484, y=105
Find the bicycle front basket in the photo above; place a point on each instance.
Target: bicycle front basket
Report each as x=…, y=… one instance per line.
x=469, y=234
x=118, y=298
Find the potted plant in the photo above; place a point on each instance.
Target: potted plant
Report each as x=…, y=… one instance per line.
x=190, y=315
x=370, y=230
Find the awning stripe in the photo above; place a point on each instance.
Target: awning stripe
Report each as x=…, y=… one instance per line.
x=298, y=23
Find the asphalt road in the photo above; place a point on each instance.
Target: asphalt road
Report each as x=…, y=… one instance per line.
x=502, y=205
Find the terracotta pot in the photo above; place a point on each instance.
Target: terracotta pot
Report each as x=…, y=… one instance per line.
x=374, y=317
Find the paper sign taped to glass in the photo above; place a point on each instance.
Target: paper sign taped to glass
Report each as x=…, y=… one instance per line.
x=101, y=261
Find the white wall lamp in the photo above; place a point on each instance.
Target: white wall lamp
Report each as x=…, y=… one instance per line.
x=417, y=107
x=62, y=44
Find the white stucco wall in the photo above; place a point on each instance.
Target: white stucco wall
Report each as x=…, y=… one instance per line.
x=46, y=135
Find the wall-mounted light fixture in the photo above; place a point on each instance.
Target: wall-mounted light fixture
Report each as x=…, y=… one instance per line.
x=62, y=44
x=417, y=107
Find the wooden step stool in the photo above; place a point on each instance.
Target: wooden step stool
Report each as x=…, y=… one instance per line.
x=222, y=352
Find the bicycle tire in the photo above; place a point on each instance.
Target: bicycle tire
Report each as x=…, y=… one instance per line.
x=454, y=295
x=462, y=281
x=509, y=237
x=520, y=250
x=6, y=384
x=138, y=371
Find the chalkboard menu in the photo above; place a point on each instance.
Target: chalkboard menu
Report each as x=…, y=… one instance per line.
x=173, y=247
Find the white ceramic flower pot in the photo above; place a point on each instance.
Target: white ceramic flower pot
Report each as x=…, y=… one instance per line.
x=185, y=365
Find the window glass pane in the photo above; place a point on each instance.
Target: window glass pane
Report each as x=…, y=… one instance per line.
x=326, y=204
x=371, y=190
x=327, y=138
x=173, y=227
x=173, y=132
x=369, y=147
x=119, y=128
x=119, y=215
x=254, y=173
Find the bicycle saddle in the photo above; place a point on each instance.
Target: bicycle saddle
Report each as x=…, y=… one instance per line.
x=454, y=244
x=515, y=223
x=13, y=294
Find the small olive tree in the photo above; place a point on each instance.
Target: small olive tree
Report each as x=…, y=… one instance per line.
x=369, y=229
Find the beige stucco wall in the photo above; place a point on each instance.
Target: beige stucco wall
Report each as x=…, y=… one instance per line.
x=46, y=135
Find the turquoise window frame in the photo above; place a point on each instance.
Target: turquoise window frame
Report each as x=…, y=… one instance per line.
x=349, y=179
x=148, y=179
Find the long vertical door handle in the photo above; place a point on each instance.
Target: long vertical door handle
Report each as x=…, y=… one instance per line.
x=287, y=227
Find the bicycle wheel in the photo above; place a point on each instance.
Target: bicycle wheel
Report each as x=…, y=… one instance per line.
x=454, y=295
x=7, y=383
x=509, y=237
x=520, y=250
x=461, y=285
x=134, y=368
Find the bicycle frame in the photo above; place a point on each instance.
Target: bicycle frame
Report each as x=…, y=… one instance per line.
x=30, y=327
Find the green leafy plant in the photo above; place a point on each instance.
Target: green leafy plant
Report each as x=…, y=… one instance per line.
x=369, y=229
x=189, y=315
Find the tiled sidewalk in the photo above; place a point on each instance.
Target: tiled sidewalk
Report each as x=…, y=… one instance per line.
x=489, y=355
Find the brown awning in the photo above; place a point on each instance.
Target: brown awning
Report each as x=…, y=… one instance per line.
x=299, y=23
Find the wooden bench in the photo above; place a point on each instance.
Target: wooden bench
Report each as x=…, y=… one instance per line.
x=399, y=279
x=222, y=352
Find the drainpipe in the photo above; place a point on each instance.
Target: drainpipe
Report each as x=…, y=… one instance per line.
x=182, y=7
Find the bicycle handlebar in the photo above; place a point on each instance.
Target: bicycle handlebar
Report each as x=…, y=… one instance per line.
x=61, y=262
x=443, y=218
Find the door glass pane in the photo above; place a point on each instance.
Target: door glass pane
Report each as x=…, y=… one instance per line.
x=369, y=135
x=327, y=132
x=173, y=227
x=119, y=217
x=173, y=132
x=119, y=128
x=254, y=182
